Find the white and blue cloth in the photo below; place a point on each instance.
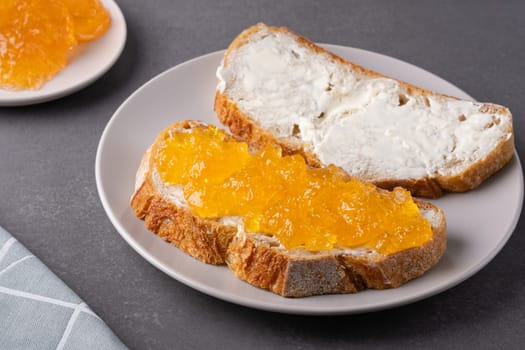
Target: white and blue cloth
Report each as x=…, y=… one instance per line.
x=38, y=311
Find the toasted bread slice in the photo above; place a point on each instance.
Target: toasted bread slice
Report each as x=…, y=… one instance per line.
x=260, y=259
x=278, y=87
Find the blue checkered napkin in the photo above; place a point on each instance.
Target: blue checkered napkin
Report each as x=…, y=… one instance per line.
x=38, y=311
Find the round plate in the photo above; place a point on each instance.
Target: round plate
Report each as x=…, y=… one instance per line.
x=187, y=92
x=92, y=60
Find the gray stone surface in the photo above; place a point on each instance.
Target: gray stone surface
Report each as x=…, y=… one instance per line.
x=48, y=197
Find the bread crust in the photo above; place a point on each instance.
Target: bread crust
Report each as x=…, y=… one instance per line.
x=242, y=126
x=291, y=273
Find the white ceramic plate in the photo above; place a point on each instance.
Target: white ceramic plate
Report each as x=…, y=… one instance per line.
x=91, y=62
x=479, y=222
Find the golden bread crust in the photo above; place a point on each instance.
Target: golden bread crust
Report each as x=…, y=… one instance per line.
x=205, y=240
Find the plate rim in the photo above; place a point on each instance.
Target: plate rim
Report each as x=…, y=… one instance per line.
x=290, y=309
x=32, y=97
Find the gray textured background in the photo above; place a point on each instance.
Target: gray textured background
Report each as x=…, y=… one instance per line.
x=48, y=197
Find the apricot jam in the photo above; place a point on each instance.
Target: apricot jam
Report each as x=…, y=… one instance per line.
x=37, y=37
x=90, y=18
x=313, y=209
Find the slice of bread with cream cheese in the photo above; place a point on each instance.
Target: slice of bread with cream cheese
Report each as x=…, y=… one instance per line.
x=278, y=87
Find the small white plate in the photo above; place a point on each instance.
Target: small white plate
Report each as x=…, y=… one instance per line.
x=90, y=63
x=479, y=222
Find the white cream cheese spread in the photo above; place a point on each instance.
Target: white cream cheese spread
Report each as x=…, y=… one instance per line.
x=369, y=126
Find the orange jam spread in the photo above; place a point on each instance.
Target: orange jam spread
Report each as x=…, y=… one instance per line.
x=37, y=37
x=90, y=18
x=313, y=209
